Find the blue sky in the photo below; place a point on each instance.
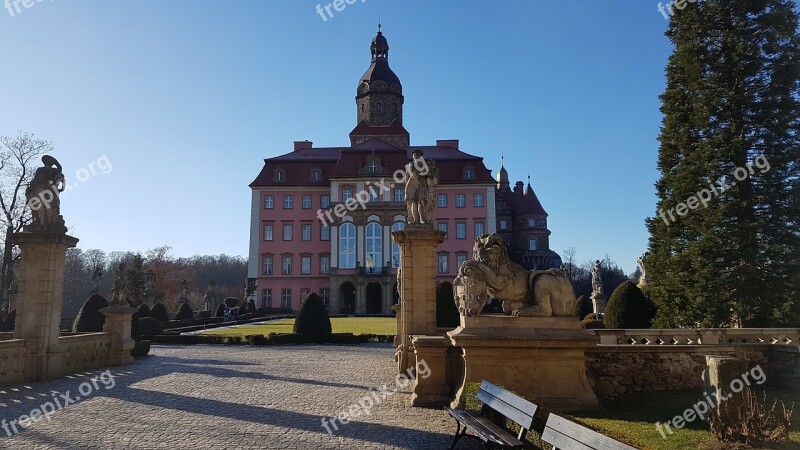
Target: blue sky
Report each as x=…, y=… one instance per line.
x=186, y=98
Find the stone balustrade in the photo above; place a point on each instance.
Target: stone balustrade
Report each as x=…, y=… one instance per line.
x=700, y=336
x=85, y=351
x=6, y=336
x=13, y=354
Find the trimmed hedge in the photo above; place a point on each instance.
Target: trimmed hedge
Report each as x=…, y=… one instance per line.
x=628, y=308
x=144, y=311
x=185, y=313
x=90, y=319
x=220, y=310
x=150, y=327
x=313, y=317
x=136, y=327
x=447, y=315
x=9, y=322
x=231, y=302
x=583, y=306
x=242, y=311
x=142, y=348
x=251, y=307
x=159, y=312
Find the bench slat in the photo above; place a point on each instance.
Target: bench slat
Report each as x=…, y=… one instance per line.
x=485, y=428
x=558, y=428
x=506, y=403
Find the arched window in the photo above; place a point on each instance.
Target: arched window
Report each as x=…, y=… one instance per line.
x=374, y=246
x=396, y=248
x=347, y=246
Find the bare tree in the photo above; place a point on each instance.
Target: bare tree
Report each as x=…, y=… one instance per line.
x=569, y=262
x=18, y=160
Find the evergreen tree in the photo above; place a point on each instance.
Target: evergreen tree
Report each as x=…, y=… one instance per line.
x=729, y=137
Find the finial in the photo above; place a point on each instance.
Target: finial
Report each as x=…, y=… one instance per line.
x=502, y=159
x=379, y=25
x=529, y=179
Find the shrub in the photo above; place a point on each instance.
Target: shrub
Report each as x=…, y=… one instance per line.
x=592, y=324
x=591, y=316
x=221, y=310
x=144, y=311
x=136, y=327
x=150, y=327
x=313, y=317
x=251, y=307
x=627, y=308
x=447, y=315
x=90, y=319
x=8, y=323
x=142, y=348
x=754, y=423
x=159, y=312
x=185, y=313
x=256, y=339
x=242, y=310
x=583, y=306
x=231, y=302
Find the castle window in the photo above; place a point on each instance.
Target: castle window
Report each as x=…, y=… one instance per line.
x=373, y=166
x=444, y=260
x=347, y=246
x=461, y=201
x=503, y=224
x=480, y=229
x=442, y=201
x=461, y=258
x=316, y=175
x=396, y=248
x=347, y=194
x=461, y=230
x=380, y=106
x=469, y=173
x=269, y=202
x=478, y=200
x=531, y=223
x=533, y=245
x=279, y=175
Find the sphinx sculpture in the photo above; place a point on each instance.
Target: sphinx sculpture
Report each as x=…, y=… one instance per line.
x=491, y=273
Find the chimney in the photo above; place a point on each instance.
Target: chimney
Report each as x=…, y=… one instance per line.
x=302, y=145
x=447, y=143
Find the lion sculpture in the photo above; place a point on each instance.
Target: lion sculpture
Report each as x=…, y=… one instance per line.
x=522, y=292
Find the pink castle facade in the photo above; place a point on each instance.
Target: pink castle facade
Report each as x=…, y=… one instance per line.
x=310, y=233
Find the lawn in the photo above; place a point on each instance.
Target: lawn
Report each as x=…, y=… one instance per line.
x=355, y=325
x=632, y=420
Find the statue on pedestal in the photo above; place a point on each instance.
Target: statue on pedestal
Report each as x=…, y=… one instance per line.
x=597, y=279
x=420, y=192
x=42, y=197
x=523, y=293
x=118, y=288
x=97, y=277
x=641, y=261
x=184, y=291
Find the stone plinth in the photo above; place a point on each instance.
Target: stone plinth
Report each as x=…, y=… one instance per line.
x=118, y=323
x=417, y=287
x=545, y=365
x=599, y=302
x=433, y=389
x=40, y=288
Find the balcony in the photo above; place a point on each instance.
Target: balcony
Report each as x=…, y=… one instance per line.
x=374, y=271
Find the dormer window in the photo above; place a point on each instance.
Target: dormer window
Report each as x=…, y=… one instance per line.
x=373, y=166
x=316, y=175
x=469, y=173
x=279, y=175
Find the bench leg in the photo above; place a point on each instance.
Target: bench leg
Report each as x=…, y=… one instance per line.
x=459, y=434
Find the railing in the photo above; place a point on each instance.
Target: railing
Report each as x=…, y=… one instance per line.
x=13, y=355
x=701, y=336
x=85, y=351
x=373, y=271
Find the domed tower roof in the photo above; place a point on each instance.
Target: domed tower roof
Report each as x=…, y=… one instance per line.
x=379, y=70
x=379, y=97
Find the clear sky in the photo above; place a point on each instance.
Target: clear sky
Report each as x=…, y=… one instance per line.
x=185, y=98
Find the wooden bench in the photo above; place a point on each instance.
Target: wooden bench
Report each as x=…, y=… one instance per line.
x=566, y=435
x=503, y=402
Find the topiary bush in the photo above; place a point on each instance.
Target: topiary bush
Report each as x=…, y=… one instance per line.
x=140, y=349
x=627, y=308
x=231, y=302
x=90, y=319
x=144, y=311
x=447, y=315
x=159, y=312
x=185, y=313
x=9, y=322
x=313, y=318
x=221, y=310
x=150, y=327
x=242, y=310
x=583, y=306
x=251, y=307
x=136, y=327
x=592, y=324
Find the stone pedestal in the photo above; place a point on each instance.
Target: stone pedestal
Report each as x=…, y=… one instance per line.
x=399, y=332
x=40, y=288
x=431, y=353
x=118, y=324
x=719, y=373
x=539, y=358
x=417, y=287
x=599, y=302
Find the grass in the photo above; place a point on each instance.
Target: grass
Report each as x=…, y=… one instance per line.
x=632, y=420
x=355, y=325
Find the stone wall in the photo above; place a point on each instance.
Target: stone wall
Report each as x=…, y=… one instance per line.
x=13, y=354
x=618, y=370
x=85, y=351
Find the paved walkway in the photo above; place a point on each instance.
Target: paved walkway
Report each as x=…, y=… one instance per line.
x=221, y=397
